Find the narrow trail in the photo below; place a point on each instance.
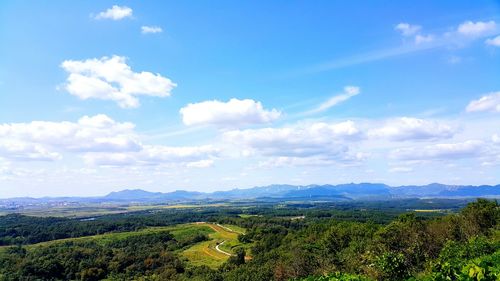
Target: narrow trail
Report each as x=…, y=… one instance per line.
x=229, y=229
x=221, y=251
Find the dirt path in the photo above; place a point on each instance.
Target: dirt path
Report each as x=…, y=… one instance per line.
x=229, y=229
x=221, y=251
x=217, y=249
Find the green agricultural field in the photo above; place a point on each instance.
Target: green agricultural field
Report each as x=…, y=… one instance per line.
x=95, y=210
x=174, y=206
x=207, y=253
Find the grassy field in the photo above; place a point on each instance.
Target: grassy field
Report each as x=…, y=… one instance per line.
x=174, y=206
x=205, y=253
x=91, y=210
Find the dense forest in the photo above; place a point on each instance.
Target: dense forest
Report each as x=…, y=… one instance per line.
x=292, y=243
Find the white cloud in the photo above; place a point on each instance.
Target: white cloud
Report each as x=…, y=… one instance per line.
x=422, y=39
x=349, y=92
x=26, y=152
x=493, y=41
x=112, y=79
x=96, y=133
x=99, y=140
x=401, y=169
x=478, y=28
x=162, y=154
x=320, y=142
x=151, y=29
x=346, y=159
x=495, y=138
x=115, y=13
x=190, y=156
x=489, y=102
x=233, y=113
x=407, y=29
x=445, y=151
x=201, y=164
x=407, y=128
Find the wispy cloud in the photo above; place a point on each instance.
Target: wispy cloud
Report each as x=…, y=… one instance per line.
x=151, y=29
x=421, y=39
x=407, y=29
x=493, y=41
x=362, y=58
x=460, y=36
x=489, y=102
x=349, y=92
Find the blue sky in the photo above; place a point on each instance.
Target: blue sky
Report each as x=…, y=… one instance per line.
x=97, y=96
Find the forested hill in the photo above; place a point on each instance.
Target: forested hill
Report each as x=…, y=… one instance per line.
x=351, y=191
x=341, y=191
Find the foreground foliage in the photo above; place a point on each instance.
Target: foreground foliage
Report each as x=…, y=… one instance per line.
x=462, y=246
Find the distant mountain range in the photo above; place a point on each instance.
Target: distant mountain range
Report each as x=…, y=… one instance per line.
x=351, y=191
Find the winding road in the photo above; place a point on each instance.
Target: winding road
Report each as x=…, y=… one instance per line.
x=221, y=251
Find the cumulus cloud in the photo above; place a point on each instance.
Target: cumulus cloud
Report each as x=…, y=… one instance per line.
x=151, y=29
x=99, y=139
x=233, y=113
x=318, y=141
x=110, y=78
x=95, y=133
x=478, y=28
x=407, y=128
x=493, y=41
x=407, y=29
x=115, y=13
x=489, y=102
x=349, y=92
x=467, y=32
x=26, y=152
x=331, y=142
x=444, y=151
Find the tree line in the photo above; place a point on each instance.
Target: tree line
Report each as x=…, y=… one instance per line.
x=459, y=246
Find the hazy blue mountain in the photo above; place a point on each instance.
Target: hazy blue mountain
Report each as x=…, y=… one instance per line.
x=314, y=192
x=471, y=191
x=350, y=191
x=183, y=194
x=442, y=190
x=141, y=195
x=132, y=194
x=432, y=189
x=275, y=190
